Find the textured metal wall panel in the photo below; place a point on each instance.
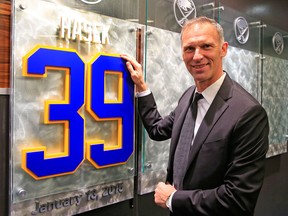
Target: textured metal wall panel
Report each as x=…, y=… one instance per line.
x=37, y=23
x=275, y=101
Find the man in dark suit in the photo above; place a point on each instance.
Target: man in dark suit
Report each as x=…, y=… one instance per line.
x=218, y=171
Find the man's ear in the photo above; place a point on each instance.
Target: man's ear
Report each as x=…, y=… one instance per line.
x=224, y=49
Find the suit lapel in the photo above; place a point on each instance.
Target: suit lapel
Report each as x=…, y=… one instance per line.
x=206, y=126
x=216, y=109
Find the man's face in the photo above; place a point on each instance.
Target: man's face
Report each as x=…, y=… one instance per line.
x=202, y=53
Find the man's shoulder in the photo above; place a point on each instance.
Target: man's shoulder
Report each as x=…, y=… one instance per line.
x=240, y=93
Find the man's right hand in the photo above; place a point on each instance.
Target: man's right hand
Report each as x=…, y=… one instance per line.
x=136, y=72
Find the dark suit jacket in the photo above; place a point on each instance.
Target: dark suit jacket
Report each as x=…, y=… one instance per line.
x=228, y=155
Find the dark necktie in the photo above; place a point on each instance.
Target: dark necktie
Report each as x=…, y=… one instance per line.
x=197, y=97
x=184, y=143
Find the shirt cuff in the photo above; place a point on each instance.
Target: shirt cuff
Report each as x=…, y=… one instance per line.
x=169, y=202
x=143, y=93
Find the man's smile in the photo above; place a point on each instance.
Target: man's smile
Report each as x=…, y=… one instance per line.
x=199, y=66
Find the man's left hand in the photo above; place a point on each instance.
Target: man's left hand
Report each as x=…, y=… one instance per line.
x=162, y=194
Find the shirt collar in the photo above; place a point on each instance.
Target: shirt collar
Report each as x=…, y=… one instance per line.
x=210, y=92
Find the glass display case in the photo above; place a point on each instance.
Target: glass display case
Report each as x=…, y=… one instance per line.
x=274, y=87
x=72, y=110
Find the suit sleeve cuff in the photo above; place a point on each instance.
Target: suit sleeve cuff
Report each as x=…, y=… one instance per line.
x=169, y=202
x=143, y=93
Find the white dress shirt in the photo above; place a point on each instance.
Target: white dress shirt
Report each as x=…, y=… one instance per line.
x=203, y=104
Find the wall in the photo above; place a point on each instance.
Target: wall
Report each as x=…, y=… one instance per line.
x=264, y=10
x=273, y=199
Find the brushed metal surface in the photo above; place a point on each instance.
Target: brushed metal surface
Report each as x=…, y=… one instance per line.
x=38, y=23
